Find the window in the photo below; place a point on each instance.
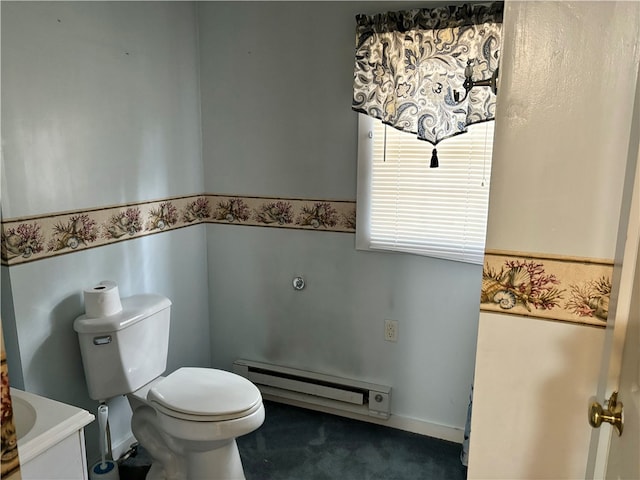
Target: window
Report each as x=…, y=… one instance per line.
x=405, y=206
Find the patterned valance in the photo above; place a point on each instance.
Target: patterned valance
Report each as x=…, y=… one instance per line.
x=409, y=63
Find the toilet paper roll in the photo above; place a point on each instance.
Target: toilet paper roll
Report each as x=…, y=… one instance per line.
x=103, y=300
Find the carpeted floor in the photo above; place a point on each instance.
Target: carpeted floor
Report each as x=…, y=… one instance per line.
x=300, y=444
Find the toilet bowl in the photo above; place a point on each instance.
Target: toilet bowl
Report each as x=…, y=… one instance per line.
x=188, y=420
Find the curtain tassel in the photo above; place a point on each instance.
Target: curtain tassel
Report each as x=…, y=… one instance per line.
x=434, y=158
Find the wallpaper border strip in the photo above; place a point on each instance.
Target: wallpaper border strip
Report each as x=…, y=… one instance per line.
x=550, y=287
x=547, y=286
x=27, y=239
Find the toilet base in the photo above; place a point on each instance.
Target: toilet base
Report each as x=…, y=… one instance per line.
x=223, y=463
x=181, y=459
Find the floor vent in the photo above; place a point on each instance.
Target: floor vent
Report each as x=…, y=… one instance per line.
x=304, y=387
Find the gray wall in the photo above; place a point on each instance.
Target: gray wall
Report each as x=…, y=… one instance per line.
x=100, y=106
x=276, y=84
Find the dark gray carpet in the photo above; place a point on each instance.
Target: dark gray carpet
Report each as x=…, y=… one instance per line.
x=300, y=444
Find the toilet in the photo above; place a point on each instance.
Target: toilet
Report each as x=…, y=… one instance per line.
x=188, y=420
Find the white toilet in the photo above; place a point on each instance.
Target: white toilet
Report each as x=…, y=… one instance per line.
x=188, y=421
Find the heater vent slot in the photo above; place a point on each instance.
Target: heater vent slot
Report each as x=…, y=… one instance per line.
x=282, y=383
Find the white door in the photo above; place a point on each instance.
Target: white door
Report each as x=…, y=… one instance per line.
x=612, y=456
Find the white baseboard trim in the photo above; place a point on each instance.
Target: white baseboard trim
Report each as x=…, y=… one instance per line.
x=442, y=432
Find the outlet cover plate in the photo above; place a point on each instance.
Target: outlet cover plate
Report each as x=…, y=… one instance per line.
x=390, y=330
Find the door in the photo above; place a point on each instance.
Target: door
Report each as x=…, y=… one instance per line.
x=612, y=456
x=622, y=460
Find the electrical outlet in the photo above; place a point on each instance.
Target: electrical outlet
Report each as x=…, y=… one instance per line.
x=391, y=330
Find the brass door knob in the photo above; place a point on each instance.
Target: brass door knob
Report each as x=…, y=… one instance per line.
x=613, y=414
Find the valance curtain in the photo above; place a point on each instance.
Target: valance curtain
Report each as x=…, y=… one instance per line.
x=409, y=63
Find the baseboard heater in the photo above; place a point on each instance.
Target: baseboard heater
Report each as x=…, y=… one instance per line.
x=304, y=387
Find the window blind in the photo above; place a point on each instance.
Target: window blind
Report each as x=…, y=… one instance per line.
x=439, y=212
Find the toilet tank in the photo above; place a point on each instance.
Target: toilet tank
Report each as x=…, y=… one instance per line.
x=125, y=351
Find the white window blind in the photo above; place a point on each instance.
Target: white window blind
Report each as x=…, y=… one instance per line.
x=405, y=206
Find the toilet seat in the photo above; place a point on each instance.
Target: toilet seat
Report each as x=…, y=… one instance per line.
x=205, y=395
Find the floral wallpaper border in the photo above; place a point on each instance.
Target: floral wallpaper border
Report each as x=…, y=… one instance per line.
x=566, y=289
x=9, y=459
x=34, y=238
x=550, y=287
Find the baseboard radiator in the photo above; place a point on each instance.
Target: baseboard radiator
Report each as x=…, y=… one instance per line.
x=315, y=389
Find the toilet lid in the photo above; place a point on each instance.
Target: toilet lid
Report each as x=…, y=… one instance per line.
x=205, y=392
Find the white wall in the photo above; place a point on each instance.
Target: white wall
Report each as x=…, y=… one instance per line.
x=276, y=88
x=100, y=106
x=566, y=97
x=563, y=123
